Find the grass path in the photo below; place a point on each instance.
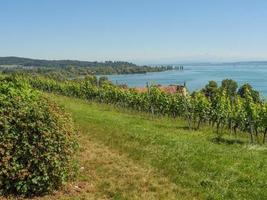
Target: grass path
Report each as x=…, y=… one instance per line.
x=128, y=155
x=106, y=174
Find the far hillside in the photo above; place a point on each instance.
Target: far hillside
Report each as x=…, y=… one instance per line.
x=73, y=68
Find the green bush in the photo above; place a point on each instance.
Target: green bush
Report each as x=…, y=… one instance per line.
x=36, y=141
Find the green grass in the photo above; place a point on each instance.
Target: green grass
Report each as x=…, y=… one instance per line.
x=130, y=155
x=198, y=166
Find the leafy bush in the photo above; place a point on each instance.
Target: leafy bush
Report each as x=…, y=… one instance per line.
x=36, y=141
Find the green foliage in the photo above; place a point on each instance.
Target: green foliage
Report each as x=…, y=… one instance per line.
x=102, y=80
x=230, y=86
x=35, y=141
x=221, y=107
x=247, y=88
x=210, y=89
x=201, y=108
x=64, y=69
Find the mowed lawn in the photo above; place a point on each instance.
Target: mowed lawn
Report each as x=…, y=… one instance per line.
x=130, y=155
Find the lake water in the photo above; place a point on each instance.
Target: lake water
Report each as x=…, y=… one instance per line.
x=196, y=77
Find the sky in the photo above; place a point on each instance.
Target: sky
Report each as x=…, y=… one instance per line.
x=140, y=31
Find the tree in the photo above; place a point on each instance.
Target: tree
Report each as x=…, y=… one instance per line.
x=210, y=89
x=244, y=89
x=230, y=86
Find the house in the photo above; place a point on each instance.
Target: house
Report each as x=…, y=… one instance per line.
x=171, y=89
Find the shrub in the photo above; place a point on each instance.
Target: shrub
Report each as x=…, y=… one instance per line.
x=36, y=141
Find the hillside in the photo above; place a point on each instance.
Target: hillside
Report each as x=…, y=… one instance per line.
x=57, y=63
x=129, y=155
x=72, y=68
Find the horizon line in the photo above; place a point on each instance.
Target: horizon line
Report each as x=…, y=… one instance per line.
x=193, y=61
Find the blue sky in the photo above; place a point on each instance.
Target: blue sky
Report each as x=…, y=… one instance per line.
x=142, y=31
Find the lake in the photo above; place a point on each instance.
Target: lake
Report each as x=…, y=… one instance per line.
x=196, y=77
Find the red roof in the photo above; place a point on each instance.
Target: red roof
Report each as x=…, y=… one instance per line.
x=171, y=89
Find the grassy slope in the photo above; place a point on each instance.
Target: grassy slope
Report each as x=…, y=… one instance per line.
x=127, y=155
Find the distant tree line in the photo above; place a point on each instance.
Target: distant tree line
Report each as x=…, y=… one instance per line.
x=72, y=68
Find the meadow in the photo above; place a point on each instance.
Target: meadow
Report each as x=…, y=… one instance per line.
x=131, y=155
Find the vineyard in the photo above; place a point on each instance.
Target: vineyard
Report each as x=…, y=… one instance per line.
x=224, y=109
x=139, y=144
